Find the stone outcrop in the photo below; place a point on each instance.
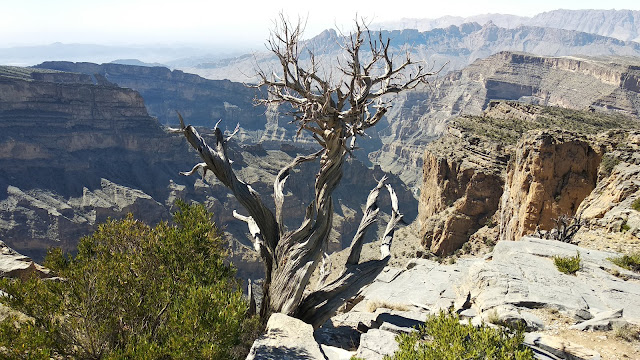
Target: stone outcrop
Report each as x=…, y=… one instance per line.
x=15, y=265
x=609, y=208
x=606, y=85
x=461, y=189
x=551, y=173
x=286, y=338
x=515, y=284
x=469, y=192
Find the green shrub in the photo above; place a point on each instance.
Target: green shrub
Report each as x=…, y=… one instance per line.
x=636, y=205
x=629, y=262
x=625, y=227
x=608, y=163
x=567, y=264
x=134, y=292
x=443, y=337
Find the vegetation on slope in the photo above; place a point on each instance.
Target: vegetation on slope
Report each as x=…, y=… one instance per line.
x=134, y=292
x=510, y=129
x=567, y=264
x=443, y=337
x=629, y=262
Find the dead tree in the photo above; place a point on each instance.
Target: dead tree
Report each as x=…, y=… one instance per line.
x=335, y=112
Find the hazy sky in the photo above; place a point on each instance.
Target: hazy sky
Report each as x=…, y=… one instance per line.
x=227, y=22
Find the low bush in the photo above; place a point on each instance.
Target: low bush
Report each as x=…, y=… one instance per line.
x=629, y=262
x=443, y=337
x=134, y=292
x=636, y=205
x=567, y=264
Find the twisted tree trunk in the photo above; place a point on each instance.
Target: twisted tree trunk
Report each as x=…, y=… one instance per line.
x=334, y=112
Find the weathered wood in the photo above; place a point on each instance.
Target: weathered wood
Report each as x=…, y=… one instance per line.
x=335, y=112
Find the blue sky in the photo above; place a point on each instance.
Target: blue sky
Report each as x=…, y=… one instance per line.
x=229, y=22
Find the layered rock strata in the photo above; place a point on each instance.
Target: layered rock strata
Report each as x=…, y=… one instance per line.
x=550, y=175
x=469, y=192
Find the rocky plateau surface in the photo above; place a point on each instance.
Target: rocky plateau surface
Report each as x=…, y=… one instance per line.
x=565, y=316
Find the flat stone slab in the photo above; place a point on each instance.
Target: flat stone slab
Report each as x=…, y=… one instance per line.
x=561, y=348
x=519, y=274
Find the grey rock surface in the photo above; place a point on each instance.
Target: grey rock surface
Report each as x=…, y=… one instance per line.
x=520, y=275
x=15, y=265
x=375, y=344
x=286, y=338
x=560, y=348
x=605, y=320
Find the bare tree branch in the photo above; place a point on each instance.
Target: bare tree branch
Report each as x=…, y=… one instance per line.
x=334, y=112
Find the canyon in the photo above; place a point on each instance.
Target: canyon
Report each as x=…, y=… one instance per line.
x=77, y=151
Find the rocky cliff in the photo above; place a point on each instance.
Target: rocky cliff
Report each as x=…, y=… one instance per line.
x=417, y=117
x=550, y=175
x=497, y=177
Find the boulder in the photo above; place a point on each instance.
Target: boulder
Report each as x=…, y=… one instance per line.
x=375, y=344
x=605, y=320
x=286, y=338
x=15, y=265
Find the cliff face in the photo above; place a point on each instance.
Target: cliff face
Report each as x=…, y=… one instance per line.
x=469, y=191
x=462, y=184
x=201, y=101
x=552, y=172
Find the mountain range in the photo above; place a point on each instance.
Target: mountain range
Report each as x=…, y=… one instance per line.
x=619, y=24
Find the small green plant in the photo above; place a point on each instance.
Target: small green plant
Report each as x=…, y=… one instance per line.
x=629, y=262
x=494, y=318
x=608, y=163
x=567, y=264
x=636, y=205
x=625, y=227
x=627, y=332
x=443, y=337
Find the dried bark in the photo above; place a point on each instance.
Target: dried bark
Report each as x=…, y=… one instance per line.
x=335, y=112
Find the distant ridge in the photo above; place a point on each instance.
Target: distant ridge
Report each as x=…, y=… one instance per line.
x=619, y=24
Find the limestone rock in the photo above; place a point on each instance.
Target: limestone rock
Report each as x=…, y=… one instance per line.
x=561, y=348
x=605, y=320
x=551, y=174
x=461, y=188
x=519, y=275
x=610, y=206
x=286, y=338
x=375, y=344
x=15, y=265
x=335, y=353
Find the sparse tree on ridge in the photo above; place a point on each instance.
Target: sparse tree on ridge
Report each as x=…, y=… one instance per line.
x=335, y=112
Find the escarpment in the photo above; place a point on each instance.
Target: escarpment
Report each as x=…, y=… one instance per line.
x=519, y=167
x=461, y=190
x=552, y=172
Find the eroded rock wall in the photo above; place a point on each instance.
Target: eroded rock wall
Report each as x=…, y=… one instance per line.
x=462, y=184
x=551, y=173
